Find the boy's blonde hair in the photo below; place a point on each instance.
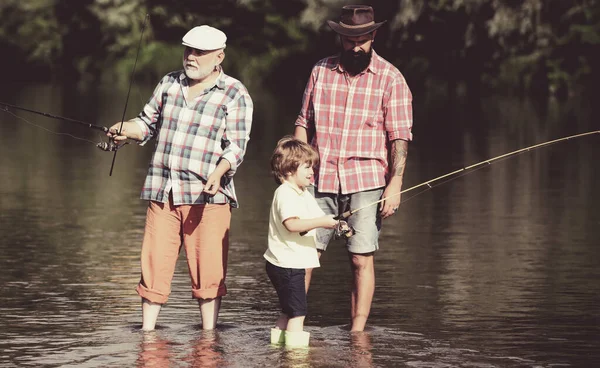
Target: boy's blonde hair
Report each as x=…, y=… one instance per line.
x=289, y=154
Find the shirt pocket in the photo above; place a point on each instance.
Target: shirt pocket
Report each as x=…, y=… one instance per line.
x=210, y=122
x=374, y=121
x=206, y=132
x=374, y=108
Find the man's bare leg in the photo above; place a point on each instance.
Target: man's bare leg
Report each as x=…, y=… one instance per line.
x=149, y=314
x=363, y=288
x=209, y=308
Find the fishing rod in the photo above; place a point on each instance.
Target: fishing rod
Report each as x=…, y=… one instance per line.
x=470, y=168
x=6, y=106
x=342, y=228
x=111, y=145
x=137, y=55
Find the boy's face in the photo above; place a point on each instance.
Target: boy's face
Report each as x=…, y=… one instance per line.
x=302, y=176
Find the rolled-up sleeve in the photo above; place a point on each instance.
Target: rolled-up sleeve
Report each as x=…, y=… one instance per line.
x=148, y=117
x=239, y=124
x=398, y=111
x=306, y=118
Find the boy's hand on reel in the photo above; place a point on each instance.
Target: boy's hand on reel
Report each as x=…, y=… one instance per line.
x=343, y=229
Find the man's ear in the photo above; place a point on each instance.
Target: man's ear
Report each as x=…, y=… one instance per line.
x=220, y=57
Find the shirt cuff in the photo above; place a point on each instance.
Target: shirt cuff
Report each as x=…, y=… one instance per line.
x=145, y=131
x=405, y=135
x=301, y=121
x=230, y=157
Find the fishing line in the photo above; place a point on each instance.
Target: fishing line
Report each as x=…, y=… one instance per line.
x=457, y=176
x=465, y=171
x=111, y=145
x=46, y=129
x=5, y=107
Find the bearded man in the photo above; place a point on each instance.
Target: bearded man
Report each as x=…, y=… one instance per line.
x=357, y=113
x=201, y=119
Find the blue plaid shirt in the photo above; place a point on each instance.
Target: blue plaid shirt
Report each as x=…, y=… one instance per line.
x=192, y=136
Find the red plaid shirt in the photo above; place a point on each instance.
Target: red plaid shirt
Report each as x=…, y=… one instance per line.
x=193, y=136
x=354, y=118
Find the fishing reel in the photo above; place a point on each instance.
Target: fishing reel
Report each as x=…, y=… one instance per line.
x=110, y=146
x=343, y=230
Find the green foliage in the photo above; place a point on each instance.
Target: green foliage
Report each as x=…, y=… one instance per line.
x=574, y=56
x=31, y=27
x=524, y=44
x=154, y=62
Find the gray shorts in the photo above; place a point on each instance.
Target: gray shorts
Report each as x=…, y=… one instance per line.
x=366, y=222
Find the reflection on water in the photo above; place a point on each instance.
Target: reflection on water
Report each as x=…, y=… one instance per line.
x=498, y=268
x=204, y=351
x=154, y=351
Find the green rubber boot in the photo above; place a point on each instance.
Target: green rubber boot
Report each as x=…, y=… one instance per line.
x=297, y=339
x=277, y=336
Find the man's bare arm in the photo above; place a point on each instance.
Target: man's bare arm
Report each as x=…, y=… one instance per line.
x=301, y=134
x=398, y=155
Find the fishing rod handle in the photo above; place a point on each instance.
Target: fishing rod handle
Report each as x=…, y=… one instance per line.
x=344, y=215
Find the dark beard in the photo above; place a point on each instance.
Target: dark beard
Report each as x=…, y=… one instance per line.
x=355, y=62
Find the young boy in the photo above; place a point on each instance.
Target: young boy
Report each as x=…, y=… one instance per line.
x=293, y=211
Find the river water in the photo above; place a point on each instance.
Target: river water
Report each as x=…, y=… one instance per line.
x=496, y=268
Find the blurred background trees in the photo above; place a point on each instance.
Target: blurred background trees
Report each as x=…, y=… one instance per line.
x=536, y=47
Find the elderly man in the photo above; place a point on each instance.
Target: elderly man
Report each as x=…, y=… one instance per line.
x=357, y=112
x=201, y=119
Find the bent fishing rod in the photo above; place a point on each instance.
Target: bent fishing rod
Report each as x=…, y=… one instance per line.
x=466, y=170
x=105, y=146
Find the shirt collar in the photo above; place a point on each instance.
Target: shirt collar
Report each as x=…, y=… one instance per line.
x=294, y=187
x=371, y=68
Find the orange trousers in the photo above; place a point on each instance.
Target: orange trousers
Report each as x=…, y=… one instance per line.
x=203, y=230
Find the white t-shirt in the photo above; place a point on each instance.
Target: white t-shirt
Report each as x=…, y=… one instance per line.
x=287, y=249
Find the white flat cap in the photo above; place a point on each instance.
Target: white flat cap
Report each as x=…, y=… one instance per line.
x=205, y=38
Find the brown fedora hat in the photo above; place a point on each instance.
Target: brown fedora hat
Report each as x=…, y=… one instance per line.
x=356, y=20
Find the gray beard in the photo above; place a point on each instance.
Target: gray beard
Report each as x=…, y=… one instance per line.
x=197, y=73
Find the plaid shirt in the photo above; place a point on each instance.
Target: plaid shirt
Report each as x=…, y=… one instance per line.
x=353, y=119
x=193, y=136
